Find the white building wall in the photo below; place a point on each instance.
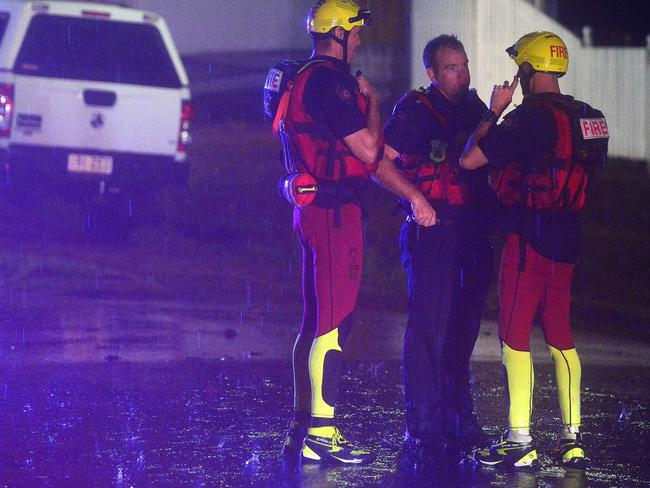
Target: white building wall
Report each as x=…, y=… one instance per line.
x=430, y=18
x=615, y=80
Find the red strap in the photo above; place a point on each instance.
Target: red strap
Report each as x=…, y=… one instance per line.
x=284, y=100
x=427, y=103
x=282, y=110
x=564, y=147
x=560, y=111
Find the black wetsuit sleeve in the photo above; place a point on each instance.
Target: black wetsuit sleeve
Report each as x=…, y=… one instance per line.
x=331, y=99
x=525, y=132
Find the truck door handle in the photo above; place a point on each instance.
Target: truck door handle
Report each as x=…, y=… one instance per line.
x=100, y=98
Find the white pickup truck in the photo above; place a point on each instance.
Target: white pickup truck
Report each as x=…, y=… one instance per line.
x=92, y=96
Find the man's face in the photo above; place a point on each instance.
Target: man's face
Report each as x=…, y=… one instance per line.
x=354, y=41
x=451, y=73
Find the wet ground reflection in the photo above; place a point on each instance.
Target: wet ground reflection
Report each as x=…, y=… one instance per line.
x=220, y=422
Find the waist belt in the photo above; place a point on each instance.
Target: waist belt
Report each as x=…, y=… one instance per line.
x=335, y=194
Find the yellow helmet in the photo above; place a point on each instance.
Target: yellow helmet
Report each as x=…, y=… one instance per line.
x=327, y=14
x=543, y=51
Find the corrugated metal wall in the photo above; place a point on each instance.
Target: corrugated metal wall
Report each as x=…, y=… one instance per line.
x=616, y=80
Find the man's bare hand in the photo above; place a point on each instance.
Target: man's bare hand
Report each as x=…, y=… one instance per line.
x=502, y=96
x=366, y=89
x=423, y=212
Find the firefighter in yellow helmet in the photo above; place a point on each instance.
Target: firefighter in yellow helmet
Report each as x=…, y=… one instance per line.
x=336, y=20
x=539, y=52
x=544, y=155
x=328, y=14
x=331, y=130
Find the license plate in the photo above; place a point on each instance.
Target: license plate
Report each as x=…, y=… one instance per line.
x=90, y=163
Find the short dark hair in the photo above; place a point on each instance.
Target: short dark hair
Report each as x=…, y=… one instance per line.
x=445, y=40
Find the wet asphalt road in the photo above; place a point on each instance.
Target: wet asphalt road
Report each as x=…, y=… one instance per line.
x=116, y=392
x=145, y=364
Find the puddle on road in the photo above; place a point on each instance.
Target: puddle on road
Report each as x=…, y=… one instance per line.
x=221, y=423
x=67, y=330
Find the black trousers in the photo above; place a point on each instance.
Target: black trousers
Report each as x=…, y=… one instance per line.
x=449, y=267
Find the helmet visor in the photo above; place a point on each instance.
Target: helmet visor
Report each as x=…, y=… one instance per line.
x=512, y=52
x=364, y=16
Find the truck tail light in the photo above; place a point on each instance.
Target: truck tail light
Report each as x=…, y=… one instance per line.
x=184, y=134
x=6, y=109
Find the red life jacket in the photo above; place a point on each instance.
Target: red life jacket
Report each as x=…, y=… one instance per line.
x=438, y=175
x=561, y=183
x=309, y=147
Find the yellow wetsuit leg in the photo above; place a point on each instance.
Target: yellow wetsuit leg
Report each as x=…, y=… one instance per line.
x=519, y=383
x=324, y=370
x=567, y=375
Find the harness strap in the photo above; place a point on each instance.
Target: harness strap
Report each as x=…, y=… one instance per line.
x=582, y=187
x=282, y=111
x=432, y=177
x=331, y=160
x=283, y=105
x=422, y=96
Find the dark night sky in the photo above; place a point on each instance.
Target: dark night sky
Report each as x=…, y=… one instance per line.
x=614, y=22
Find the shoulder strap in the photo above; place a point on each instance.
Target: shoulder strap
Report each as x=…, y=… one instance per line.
x=282, y=111
x=562, y=112
x=421, y=95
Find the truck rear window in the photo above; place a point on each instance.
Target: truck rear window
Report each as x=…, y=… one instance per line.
x=96, y=50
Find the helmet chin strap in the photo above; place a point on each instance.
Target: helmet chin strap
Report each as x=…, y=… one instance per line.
x=343, y=42
x=525, y=74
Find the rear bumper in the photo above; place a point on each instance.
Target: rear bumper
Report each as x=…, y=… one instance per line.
x=47, y=169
